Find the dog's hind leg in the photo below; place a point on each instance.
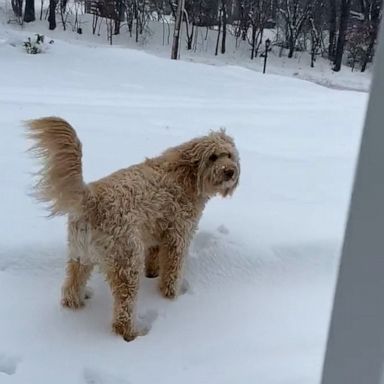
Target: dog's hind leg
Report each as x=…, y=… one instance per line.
x=73, y=291
x=152, y=262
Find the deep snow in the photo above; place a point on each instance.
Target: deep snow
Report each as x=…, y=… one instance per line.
x=261, y=270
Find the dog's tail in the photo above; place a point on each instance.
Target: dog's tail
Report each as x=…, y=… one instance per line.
x=60, y=181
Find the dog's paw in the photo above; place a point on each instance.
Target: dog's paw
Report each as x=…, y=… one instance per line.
x=72, y=301
x=151, y=273
x=88, y=293
x=169, y=291
x=128, y=334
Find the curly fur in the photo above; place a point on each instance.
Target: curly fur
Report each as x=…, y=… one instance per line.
x=61, y=182
x=140, y=218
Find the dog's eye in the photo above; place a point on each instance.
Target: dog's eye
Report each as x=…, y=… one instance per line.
x=229, y=156
x=213, y=157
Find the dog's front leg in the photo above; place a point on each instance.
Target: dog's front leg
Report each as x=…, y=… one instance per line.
x=123, y=274
x=172, y=255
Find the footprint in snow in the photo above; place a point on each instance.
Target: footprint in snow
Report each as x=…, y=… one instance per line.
x=223, y=229
x=186, y=288
x=96, y=376
x=146, y=319
x=8, y=364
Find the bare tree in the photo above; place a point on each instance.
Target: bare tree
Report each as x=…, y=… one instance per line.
x=176, y=32
x=224, y=22
x=295, y=14
x=345, y=7
x=52, y=14
x=259, y=12
x=218, y=34
x=189, y=29
x=315, y=41
x=317, y=23
x=17, y=7
x=29, y=11
x=332, y=20
x=372, y=15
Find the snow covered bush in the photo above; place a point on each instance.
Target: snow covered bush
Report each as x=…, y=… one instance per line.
x=35, y=45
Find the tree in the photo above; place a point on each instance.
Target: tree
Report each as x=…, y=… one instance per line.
x=259, y=13
x=29, y=11
x=189, y=29
x=218, y=33
x=176, y=32
x=17, y=7
x=332, y=20
x=295, y=14
x=224, y=22
x=372, y=15
x=52, y=14
x=345, y=7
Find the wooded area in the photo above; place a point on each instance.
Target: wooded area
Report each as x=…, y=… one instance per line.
x=344, y=31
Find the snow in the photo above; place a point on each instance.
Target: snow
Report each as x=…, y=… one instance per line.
x=261, y=270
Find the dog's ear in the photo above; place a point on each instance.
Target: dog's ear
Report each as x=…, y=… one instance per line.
x=185, y=170
x=197, y=151
x=189, y=160
x=199, y=154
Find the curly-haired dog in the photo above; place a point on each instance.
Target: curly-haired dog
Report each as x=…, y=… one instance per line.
x=138, y=218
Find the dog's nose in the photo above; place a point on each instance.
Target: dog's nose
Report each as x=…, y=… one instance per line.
x=228, y=174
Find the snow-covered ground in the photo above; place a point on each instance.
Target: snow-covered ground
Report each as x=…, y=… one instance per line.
x=262, y=267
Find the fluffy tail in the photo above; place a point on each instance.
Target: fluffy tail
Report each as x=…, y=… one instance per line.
x=60, y=181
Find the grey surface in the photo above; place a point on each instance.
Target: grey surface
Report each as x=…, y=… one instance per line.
x=355, y=350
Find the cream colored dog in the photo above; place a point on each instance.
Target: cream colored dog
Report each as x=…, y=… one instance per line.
x=141, y=217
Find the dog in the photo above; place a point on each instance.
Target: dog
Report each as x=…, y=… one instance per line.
x=138, y=219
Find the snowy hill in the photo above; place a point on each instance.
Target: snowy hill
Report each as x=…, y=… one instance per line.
x=261, y=269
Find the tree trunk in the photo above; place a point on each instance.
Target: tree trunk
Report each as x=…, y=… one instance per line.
x=313, y=49
x=176, y=32
x=29, y=11
x=274, y=8
x=343, y=25
x=218, y=35
x=130, y=21
x=17, y=7
x=52, y=15
x=224, y=17
x=368, y=54
x=119, y=17
x=41, y=9
x=116, y=30
x=259, y=41
x=110, y=31
x=332, y=29
x=63, y=6
x=189, y=35
x=136, y=11
x=291, y=42
x=190, y=38
x=253, y=42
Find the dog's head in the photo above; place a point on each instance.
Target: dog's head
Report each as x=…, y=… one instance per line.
x=211, y=162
